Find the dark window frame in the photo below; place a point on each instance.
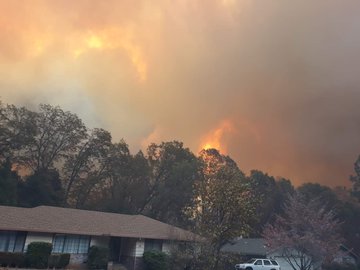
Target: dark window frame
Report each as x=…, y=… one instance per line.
x=17, y=237
x=153, y=244
x=66, y=238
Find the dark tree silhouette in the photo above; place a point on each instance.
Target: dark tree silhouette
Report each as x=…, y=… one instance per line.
x=41, y=188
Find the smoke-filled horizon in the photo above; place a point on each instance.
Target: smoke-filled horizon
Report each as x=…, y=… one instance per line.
x=273, y=84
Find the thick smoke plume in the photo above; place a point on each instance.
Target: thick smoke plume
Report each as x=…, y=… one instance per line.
x=282, y=75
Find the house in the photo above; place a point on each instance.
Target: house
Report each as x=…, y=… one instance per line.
x=256, y=248
x=249, y=248
x=346, y=256
x=74, y=231
x=246, y=247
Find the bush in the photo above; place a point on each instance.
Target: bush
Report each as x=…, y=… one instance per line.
x=8, y=259
x=64, y=260
x=155, y=260
x=98, y=257
x=58, y=260
x=199, y=256
x=53, y=260
x=182, y=256
x=37, y=254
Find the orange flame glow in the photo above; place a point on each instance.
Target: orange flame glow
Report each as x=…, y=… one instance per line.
x=111, y=39
x=214, y=139
x=80, y=43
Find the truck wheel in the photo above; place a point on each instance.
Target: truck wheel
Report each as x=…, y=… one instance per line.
x=248, y=268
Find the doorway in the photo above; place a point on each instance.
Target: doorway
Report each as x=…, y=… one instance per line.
x=115, y=248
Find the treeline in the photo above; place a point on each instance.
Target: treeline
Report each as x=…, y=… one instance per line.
x=49, y=157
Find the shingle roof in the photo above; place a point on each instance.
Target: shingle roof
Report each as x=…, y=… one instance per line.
x=246, y=246
x=74, y=221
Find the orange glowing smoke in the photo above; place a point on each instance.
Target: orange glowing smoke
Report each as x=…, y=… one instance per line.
x=80, y=43
x=111, y=39
x=214, y=139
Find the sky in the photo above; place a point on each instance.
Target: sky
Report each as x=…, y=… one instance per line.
x=274, y=84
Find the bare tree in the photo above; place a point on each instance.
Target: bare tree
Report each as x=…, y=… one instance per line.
x=89, y=158
x=16, y=129
x=306, y=235
x=57, y=133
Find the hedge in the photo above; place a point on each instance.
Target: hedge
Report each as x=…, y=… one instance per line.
x=58, y=261
x=9, y=259
x=37, y=254
x=98, y=257
x=21, y=260
x=155, y=260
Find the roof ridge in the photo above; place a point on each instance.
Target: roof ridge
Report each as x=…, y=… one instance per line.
x=44, y=218
x=78, y=209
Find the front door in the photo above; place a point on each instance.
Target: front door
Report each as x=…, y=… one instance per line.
x=115, y=247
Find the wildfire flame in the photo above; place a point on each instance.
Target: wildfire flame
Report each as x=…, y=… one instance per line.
x=214, y=139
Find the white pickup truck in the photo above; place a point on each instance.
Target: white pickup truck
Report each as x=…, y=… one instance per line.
x=259, y=264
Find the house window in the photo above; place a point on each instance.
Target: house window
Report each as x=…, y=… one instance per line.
x=73, y=244
x=153, y=244
x=12, y=241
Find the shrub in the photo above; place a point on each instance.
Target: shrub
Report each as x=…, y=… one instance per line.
x=155, y=260
x=18, y=260
x=64, y=260
x=98, y=257
x=58, y=260
x=37, y=254
x=8, y=259
x=181, y=256
x=53, y=260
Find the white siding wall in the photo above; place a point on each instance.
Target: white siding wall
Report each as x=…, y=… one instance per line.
x=139, y=248
x=38, y=237
x=167, y=246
